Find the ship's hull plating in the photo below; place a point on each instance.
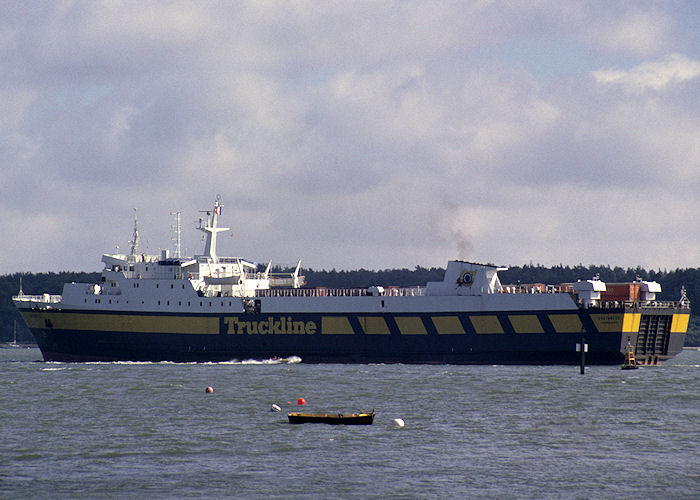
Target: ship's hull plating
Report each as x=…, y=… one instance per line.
x=532, y=337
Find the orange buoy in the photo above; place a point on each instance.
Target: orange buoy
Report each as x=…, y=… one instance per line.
x=209, y=389
x=301, y=401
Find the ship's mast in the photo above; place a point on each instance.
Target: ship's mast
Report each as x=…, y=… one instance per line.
x=177, y=233
x=135, y=238
x=210, y=229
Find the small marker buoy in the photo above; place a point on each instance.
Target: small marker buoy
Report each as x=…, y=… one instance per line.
x=399, y=423
x=301, y=401
x=275, y=408
x=209, y=389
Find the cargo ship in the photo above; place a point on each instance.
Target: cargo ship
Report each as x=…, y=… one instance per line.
x=208, y=308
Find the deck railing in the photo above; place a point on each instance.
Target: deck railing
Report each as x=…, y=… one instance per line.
x=339, y=292
x=652, y=304
x=537, y=288
x=49, y=299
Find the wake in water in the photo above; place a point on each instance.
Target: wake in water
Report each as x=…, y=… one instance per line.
x=291, y=360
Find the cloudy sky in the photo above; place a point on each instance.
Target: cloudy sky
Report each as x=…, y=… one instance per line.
x=352, y=134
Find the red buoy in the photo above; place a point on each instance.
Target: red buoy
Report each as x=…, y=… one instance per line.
x=301, y=401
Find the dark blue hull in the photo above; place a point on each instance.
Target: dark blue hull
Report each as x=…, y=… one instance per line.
x=319, y=339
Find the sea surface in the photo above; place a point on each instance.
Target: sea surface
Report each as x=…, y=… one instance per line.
x=149, y=430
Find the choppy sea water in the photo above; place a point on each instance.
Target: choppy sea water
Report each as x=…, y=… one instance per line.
x=149, y=430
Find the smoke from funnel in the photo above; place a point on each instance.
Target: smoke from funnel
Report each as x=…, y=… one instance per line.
x=445, y=221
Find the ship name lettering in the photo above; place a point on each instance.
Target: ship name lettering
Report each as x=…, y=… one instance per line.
x=269, y=326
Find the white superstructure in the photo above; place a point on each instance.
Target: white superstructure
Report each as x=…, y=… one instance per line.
x=139, y=281
x=208, y=283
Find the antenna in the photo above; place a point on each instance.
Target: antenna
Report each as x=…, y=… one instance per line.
x=178, y=230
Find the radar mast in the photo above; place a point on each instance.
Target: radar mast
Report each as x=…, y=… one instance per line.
x=210, y=229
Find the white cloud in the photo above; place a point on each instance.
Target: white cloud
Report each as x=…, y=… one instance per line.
x=658, y=75
x=351, y=135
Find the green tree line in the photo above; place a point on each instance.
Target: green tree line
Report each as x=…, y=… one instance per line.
x=671, y=282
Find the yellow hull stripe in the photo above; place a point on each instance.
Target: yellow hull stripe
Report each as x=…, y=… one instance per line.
x=410, y=325
x=679, y=323
x=446, y=325
x=340, y=325
x=486, y=324
x=374, y=325
x=125, y=323
x=631, y=322
x=526, y=323
x=336, y=325
x=566, y=323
